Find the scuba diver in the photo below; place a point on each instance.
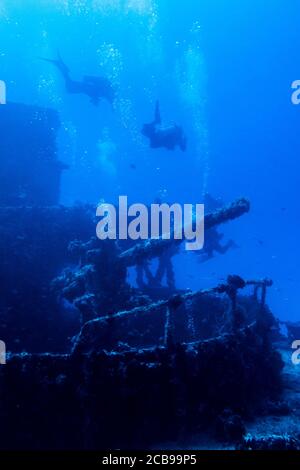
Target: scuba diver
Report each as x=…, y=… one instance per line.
x=164, y=136
x=213, y=245
x=94, y=87
x=213, y=237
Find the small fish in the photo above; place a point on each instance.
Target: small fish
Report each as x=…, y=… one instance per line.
x=259, y=241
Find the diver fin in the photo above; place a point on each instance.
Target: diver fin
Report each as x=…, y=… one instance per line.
x=59, y=63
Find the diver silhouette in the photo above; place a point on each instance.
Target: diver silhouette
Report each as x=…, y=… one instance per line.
x=160, y=136
x=214, y=237
x=94, y=87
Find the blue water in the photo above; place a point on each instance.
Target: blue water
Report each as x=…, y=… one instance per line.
x=222, y=69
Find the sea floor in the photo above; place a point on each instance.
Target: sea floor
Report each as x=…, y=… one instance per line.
x=266, y=430
x=289, y=424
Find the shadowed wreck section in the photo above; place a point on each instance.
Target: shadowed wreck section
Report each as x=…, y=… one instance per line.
x=137, y=397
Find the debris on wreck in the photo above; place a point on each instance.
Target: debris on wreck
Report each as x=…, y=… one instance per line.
x=93, y=285
x=183, y=318
x=270, y=442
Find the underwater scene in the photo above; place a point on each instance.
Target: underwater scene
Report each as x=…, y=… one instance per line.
x=149, y=226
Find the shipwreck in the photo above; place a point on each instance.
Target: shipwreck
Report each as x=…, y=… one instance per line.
x=93, y=362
